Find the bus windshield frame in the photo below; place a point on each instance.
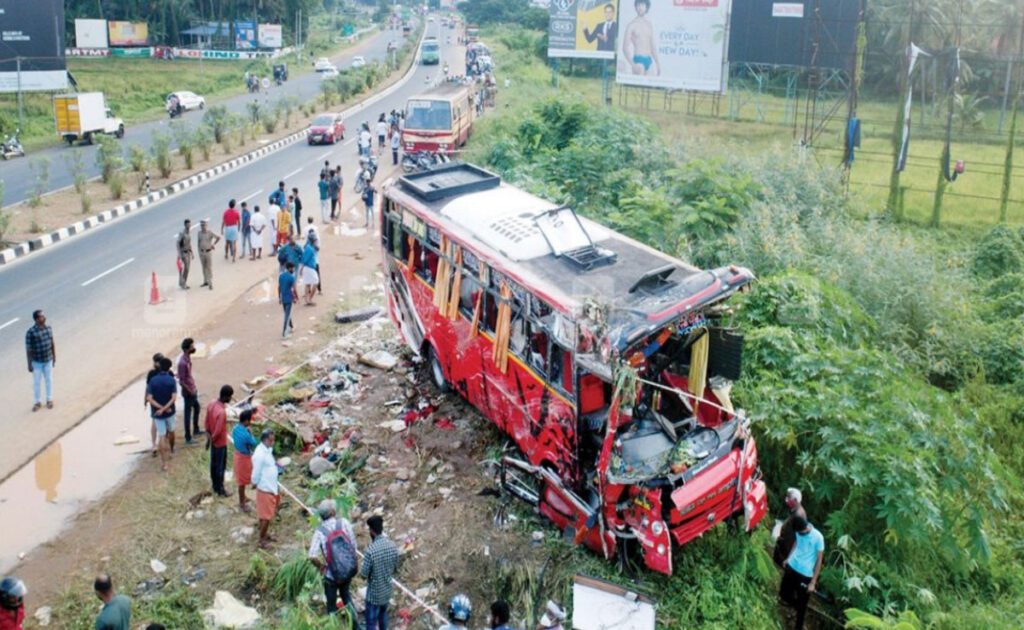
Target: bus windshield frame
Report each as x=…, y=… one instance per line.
x=423, y=117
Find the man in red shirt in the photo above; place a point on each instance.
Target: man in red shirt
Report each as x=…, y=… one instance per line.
x=229, y=228
x=217, y=438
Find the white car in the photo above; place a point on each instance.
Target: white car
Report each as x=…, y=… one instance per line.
x=328, y=72
x=358, y=61
x=187, y=100
x=321, y=64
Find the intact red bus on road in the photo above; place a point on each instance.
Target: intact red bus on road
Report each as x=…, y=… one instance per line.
x=439, y=120
x=607, y=362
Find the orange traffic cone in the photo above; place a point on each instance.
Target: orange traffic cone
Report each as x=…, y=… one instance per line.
x=154, y=292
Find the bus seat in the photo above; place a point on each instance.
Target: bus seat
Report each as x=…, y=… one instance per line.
x=591, y=395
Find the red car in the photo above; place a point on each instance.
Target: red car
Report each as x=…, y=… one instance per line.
x=326, y=129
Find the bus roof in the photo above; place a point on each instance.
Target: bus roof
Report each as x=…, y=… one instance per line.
x=536, y=242
x=442, y=92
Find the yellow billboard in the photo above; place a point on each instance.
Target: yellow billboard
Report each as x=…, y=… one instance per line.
x=583, y=28
x=128, y=33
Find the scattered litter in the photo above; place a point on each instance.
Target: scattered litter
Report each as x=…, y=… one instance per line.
x=357, y=315
x=595, y=602
x=319, y=465
x=444, y=423
x=404, y=474
x=396, y=426
x=228, y=612
x=380, y=359
x=220, y=346
x=126, y=439
x=537, y=536
x=198, y=574
x=242, y=534
x=344, y=230
x=284, y=462
x=43, y=615
x=157, y=566
x=301, y=393
x=149, y=586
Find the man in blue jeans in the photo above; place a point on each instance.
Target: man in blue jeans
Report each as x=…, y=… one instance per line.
x=379, y=564
x=41, y=352
x=286, y=295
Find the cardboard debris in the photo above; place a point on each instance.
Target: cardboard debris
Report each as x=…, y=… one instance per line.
x=380, y=359
x=126, y=439
x=43, y=615
x=598, y=604
x=228, y=612
x=157, y=566
x=301, y=393
x=396, y=426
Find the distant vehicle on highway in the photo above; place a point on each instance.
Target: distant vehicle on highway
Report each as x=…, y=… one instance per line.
x=82, y=116
x=358, y=61
x=430, y=52
x=326, y=129
x=181, y=102
x=321, y=64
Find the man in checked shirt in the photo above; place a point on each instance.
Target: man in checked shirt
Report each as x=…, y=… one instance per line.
x=41, y=352
x=379, y=564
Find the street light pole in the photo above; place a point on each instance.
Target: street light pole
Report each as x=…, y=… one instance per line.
x=21, y=97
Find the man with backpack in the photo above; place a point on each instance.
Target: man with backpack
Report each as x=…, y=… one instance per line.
x=333, y=552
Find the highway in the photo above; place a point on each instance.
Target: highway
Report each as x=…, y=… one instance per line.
x=94, y=288
x=19, y=180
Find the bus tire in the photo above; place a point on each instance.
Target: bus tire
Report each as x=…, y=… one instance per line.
x=436, y=371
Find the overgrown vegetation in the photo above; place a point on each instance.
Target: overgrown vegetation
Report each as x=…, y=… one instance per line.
x=883, y=365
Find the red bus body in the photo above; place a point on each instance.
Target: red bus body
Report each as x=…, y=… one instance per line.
x=572, y=314
x=439, y=120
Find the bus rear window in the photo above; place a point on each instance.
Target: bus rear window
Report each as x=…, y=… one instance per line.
x=430, y=115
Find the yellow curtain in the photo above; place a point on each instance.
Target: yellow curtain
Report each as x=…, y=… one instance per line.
x=503, y=329
x=698, y=368
x=475, y=328
x=441, y=284
x=412, y=251
x=453, y=299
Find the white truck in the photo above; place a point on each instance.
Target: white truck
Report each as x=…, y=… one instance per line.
x=81, y=116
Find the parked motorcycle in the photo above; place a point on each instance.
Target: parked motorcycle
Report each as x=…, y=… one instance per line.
x=12, y=146
x=367, y=171
x=422, y=161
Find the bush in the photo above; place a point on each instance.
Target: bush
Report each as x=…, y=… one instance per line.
x=183, y=137
x=161, y=150
x=203, y=140
x=116, y=184
x=76, y=166
x=108, y=155
x=40, y=167
x=1001, y=251
x=138, y=158
x=217, y=120
x=86, y=203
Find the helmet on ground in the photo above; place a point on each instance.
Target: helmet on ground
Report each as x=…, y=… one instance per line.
x=12, y=592
x=460, y=608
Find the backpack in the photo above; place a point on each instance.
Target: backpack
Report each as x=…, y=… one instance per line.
x=341, y=554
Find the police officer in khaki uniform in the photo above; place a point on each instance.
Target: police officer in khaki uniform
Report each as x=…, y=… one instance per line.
x=185, y=254
x=206, y=241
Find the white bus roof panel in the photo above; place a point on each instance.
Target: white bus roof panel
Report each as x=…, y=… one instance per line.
x=505, y=219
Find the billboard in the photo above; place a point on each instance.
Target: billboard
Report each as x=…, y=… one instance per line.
x=245, y=36
x=271, y=36
x=32, y=32
x=90, y=33
x=128, y=33
x=583, y=28
x=674, y=44
x=787, y=33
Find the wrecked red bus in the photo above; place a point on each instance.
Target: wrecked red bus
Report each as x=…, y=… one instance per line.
x=607, y=362
x=439, y=120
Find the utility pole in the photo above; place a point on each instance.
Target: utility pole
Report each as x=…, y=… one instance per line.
x=21, y=98
x=1004, y=194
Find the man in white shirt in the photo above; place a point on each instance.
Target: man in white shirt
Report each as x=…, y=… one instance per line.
x=365, y=139
x=382, y=133
x=264, y=479
x=257, y=226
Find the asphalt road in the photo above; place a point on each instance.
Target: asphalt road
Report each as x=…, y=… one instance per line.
x=19, y=180
x=94, y=287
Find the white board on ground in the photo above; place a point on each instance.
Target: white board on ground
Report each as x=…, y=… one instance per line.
x=597, y=605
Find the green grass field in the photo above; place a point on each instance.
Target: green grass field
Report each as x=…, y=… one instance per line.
x=756, y=122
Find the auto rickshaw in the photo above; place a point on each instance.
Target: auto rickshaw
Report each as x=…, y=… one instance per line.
x=280, y=73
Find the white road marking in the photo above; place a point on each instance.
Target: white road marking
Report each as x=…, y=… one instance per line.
x=250, y=196
x=349, y=141
x=295, y=172
x=107, y=272
x=326, y=154
x=13, y=321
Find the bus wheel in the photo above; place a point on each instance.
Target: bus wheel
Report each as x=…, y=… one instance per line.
x=436, y=372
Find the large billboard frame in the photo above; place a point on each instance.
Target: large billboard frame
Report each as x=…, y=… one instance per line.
x=583, y=29
x=90, y=33
x=32, y=46
x=674, y=44
x=124, y=34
